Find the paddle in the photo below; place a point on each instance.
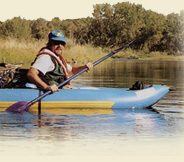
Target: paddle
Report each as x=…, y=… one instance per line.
x=22, y=106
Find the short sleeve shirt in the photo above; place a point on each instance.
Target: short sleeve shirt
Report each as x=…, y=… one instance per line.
x=44, y=64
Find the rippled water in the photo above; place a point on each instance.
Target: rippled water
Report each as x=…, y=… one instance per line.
x=141, y=132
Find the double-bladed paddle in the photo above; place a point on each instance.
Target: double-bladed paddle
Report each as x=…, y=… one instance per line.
x=22, y=106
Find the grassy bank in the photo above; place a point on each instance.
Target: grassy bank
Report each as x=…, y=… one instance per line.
x=16, y=51
x=133, y=54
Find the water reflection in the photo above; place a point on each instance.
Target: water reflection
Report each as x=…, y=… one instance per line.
x=49, y=126
x=123, y=74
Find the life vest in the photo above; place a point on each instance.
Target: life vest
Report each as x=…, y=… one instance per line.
x=60, y=73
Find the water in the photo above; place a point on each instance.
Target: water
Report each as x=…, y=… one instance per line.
x=157, y=131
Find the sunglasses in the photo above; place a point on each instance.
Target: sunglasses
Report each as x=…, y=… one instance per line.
x=58, y=43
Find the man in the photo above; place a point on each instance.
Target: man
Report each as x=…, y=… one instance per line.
x=49, y=68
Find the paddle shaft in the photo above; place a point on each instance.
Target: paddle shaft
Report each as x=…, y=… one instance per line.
x=79, y=73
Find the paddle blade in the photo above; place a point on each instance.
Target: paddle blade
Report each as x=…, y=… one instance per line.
x=18, y=107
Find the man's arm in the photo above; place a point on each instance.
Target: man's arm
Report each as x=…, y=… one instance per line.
x=33, y=76
x=79, y=68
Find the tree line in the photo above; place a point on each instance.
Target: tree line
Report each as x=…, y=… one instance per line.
x=111, y=25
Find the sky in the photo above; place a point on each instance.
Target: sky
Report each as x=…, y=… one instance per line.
x=73, y=9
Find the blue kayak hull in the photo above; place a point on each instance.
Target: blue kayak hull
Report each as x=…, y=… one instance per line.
x=88, y=97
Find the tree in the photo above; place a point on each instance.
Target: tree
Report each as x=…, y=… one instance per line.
x=39, y=29
x=55, y=24
x=117, y=24
x=101, y=25
x=174, y=34
x=151, y=33
x=16, y=28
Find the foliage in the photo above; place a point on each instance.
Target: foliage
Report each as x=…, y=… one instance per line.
x=111, y=25
x=173, y=39
x=15, y=28
x=39, y=29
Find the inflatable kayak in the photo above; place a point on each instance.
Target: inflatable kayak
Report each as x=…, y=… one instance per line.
x=87, y=97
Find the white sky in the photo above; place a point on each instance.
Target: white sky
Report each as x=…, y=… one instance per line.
x=72, y=9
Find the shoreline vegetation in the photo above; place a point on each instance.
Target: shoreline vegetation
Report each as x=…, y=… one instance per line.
x=156, y=36
x=16, y=51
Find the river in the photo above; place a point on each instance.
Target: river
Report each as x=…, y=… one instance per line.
x=157, y=131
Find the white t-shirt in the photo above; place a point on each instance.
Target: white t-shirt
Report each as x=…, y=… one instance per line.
x=44, y=64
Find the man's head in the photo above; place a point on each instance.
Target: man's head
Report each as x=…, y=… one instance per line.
x=57, y=35
x=56, y=42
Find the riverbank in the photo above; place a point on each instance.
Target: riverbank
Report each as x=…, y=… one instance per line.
x=16, y=51
x=141, y=55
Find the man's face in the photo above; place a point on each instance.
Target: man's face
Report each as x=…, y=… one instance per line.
x=57, y=47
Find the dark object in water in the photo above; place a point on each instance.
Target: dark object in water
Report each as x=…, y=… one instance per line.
x=172, y=89
x=137, y=86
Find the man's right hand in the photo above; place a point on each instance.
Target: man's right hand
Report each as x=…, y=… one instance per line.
x=52, y=88
x=33, y=76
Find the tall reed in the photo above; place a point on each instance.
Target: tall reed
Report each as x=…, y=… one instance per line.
x=17, y=51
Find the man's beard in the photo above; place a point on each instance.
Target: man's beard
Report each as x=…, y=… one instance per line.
x=58, y=51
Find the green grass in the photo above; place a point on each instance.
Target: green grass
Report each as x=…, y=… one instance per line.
x=16, y=51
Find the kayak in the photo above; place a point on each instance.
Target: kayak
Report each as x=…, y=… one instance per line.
x=87, y=97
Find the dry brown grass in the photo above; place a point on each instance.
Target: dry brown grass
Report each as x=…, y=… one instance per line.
x=15, y=51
